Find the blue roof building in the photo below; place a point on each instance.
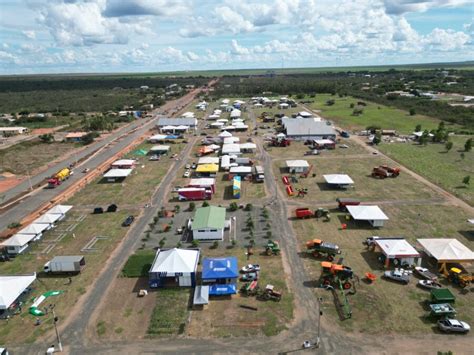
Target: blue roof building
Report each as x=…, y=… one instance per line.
x=220, y=270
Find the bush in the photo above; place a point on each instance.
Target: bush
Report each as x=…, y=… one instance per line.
x=330, y=102
x=195, y=243
x=177, y=208
x=248, y=207
x=233, y=207
x=14, y=225
x=215, y=245
x=179, y=245
x=192, y=206
x=205, y=204
x=412, y=112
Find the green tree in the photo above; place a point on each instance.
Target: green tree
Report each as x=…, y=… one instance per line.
x=412, y=112
x=195, y=243
x=330, y=102
x=192, y=206
x=418, y=128
x=46, y=138
x=205, y=204
x=448, y=145
x=468, y=145
x=233, y=206
x=423, y=140
x=248, y=207
x=377, y=138
x=466, y=180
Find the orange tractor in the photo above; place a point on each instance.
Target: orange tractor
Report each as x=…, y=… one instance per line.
x=335, y=274
x=384, y=171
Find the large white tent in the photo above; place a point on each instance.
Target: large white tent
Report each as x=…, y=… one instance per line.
x=341, y=180
x=34, y=228
x=373, y=214
x=11, y=287
x=114, y=174
x=17, y=243
x=447, y=250
x=225, y=134
x=174, y=265
x=398, y=250
x=47, y=218
x=60, y=209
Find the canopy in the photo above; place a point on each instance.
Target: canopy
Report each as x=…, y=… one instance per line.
x=338, y=179
x=201, y=182
x=281, y=135
x=225, y=134
x=241, y=170
x=117, y=173
x=217, y=124
x=230, y=148
x=222, y=290
x=396, y=248
x=207, y=168
x=297, y=164
x=208, y=160
x=60, y=209
x=201, y=295
x=214, y=146
x=248, y=145
x=175, y=260
x=446, y=250
x=205, y=150
x=323, y=141
x=366, y=213
x=18, y=240
x=230, y=140
x=157, y=137
x=220, y=268
x=225, y=161
x=11, y=287
x=160, y=148
x=34, y=228
x=140, y=152
x=47, y=218
x=122, y=162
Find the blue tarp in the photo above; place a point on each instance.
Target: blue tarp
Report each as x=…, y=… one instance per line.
x=220, y=268
x=171, y=136
x=222, y=290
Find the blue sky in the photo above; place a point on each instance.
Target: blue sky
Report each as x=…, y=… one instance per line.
x=65, y=36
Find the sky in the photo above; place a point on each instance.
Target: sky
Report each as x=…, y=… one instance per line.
x=89, y=36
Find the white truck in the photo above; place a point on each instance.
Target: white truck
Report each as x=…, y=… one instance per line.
x=65, y=264
x=258, y=173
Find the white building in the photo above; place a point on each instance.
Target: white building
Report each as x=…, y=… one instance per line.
x=297, y=166
x=209, y=223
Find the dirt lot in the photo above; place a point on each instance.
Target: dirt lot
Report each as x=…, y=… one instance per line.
x=386, y=307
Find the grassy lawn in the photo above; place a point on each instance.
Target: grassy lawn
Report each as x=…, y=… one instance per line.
x=139, y=264
x=27, y=156
x=135, y=189
x=170, y=312
x=21, y=328
x=447, y=169
x=297, y=149
x=374, y=114
x=366, y=188
x=386, y=307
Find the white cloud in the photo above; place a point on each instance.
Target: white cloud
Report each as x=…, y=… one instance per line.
x=446, y=40
x=397, y=7
x=29, y=34
x=118, y=8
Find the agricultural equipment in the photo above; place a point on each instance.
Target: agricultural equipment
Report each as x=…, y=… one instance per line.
x=304, y=212
x=280, y=142
x=442, y=295
x=460, y=277
x=272, y=248
x=317, y=247
x=194, y=194
x=337, y=278
x=249, y=289
x=59, y=177
x=344, y=202
x=306, y=173
x=269, y=294
x=442, y=310
x=384, y=171
x=322, y=212
x=302, y=192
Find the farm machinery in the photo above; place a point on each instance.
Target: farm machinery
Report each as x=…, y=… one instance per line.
x=59, y=177
x=384, y=171
x=460, y=277
x=252, y=289
x=272, y=248
x=305, y=212
x=249, y=289
x=279, y=142
x=317, y=248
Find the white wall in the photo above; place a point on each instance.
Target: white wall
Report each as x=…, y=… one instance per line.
x=208, y=234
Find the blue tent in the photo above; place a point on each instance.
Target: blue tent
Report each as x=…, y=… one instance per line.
x=171, y=136
x=222, y=290
x=220, y=268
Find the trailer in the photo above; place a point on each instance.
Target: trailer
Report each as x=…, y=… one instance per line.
x=65, y=264
x=343, y=202
x=258, y=173
x=304, y=212
x=59, y=177
x=194, y=194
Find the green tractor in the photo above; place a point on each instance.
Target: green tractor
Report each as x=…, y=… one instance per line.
x=322, y=212
x=272, y=248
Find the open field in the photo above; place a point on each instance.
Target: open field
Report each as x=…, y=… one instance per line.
x=366, y=188
x=297, y=149
x=373, y=115
x=136, y=189
x=386, y=307
x=446, y=169
x=27, y=156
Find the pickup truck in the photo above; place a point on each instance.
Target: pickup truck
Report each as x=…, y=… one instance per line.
x=397, y=276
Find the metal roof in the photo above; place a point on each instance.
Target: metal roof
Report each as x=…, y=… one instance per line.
x=186, y=121
x=367, y=213
x=175, y=261
x=117, y=173
x=209, y=217
x=67, y=258
x=307, y=127
x=220, y=268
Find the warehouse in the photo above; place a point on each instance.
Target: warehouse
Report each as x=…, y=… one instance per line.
x=209, y=223
x=174, y=267
x=191, y=122
x=308, y=128
x=115, y=175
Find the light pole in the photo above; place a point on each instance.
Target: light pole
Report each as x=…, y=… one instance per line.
x=318, y=340
x=235, y=227
x=28, y=176
x=55, y=320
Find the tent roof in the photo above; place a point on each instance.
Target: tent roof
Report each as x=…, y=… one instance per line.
x=60, y=209
x=220, y=268
x=296, y=163
x=175, y=260
x=34, y=228
x=396, y=248
x=11, y=287
x=202, y=182
x=187, y=121
x=201, y=295
x=324, y=141
x=217, y=124
x=230, y=140
x=123, y=162
x=444, y=249
x=241, y=170
x=366, y=213
x=209, y=217
x=157, y=137
x=222, y=290
x=47, y=218
x=208, y=160
x=18, y=240
x=224, y=134
x=117, y=173
x=207, y=168
x=160, y=147
x=230, y=148
x=338, y=179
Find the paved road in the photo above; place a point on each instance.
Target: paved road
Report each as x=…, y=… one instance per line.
x=101, y=151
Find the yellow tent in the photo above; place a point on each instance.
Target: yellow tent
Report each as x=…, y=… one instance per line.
x=207, y=168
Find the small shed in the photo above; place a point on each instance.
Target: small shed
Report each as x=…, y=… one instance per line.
x=201, y=297
x=114, y=175
x=240, y=170
x=397, y=251
x=174, y=267
x=159, y=149
x=324, y=144
x=297, y=166
x=372, y=214
x=341, y=181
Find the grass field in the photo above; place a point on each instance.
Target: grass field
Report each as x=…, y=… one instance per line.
x=374, y=114
x=27, y=156
x=387, y=307
x=139, y=263
x=447, y=169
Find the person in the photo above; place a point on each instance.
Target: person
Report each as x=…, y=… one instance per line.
x=50, y=350
x=306, y=344
x=38, y=322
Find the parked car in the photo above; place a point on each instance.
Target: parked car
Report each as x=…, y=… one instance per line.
x=128, y=221
x=251, y=276
x=187, y=174
x=194, y=166
x=453, y=325
x=187, y=166
x=250, y=268
x=370, y=240
x=429, y=284
x=397, y=275
x=425, y=273
x=154, y=158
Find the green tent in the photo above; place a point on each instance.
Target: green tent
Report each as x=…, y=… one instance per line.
x=140, y=152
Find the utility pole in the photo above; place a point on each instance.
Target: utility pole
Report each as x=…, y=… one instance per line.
x=235, y=227
x=318, y=340
x=29, y=178
x=55, y=320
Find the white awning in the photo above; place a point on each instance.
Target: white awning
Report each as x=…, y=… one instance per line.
x=122, y=162
x=11, y=287
x=18, y=240
x=34, y=228
x=48, y=218
x=157, y=137
x=297, y=164
x=444, y=249
x=248, y=146
x=208, y=160
x=241, y=170
x=395, y=248
x=60, y=209
x=225, y=134
x=117, y=173
x=367, y=213
x=338, y=179
x=160, y=148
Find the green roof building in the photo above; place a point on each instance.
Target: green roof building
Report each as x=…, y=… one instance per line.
x=209, y=223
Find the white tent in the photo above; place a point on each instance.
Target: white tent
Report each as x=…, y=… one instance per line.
x=231, y=140
x=60, y=209
x=18, y=243
x=338, y=179
x=34, y=228
x=223, y=120
x=213, y=117
x=447, y=250
x=230, y=149
x=225, y=101
x=217, y=111
x=228, y=128
x=225, y=161
x=399, y=251
x=188, y=114
x=11, y=287
x=117, y=173
x=241, y=170
x=297, y=166
x=305, y=114
x=248, y=146
x=47, y=218
x=217, y=124
x=175, y=261
x=373, y=214
x=157, y=138
x=471, y=221
x=225, y=134
x=208, y=160
x=124, y=162
x=235, y=113
x=159, y=148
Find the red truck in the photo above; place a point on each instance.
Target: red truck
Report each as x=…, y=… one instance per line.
x=304, y=213
x=194, y=194
x=343, y=202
